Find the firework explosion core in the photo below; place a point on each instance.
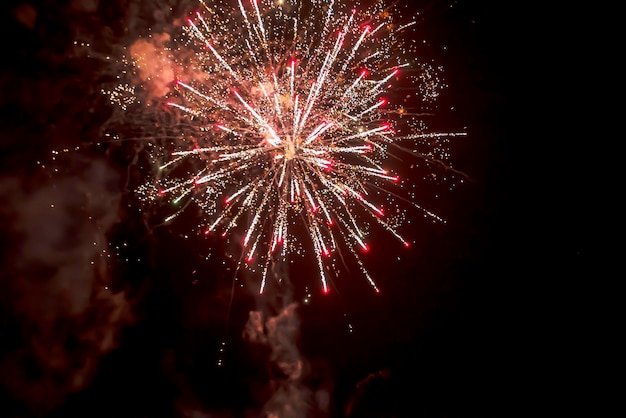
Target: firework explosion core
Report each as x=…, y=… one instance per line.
x=286, y=125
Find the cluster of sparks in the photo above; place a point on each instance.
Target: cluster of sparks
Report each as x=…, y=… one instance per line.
x=288, y=127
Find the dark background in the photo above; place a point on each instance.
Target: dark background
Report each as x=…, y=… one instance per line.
x=460, y=328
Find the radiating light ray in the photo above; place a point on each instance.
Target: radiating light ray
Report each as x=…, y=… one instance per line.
x=288, y=127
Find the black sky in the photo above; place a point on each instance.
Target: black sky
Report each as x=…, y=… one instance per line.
x=447, y=337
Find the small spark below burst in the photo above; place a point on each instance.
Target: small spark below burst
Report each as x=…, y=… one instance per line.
x=221, y=354
x=288, y=116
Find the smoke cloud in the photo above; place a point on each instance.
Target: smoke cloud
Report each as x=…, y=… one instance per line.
x=59, y=303
x=276, y=326
x=156, y=70
x=290, y=398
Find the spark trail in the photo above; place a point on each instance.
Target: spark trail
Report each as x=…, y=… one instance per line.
x=290, y=120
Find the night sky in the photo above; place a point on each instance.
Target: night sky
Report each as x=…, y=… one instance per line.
x=155, y=327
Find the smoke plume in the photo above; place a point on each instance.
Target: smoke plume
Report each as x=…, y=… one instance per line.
x=59, y=303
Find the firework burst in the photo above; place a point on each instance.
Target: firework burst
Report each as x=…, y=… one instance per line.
x=288, y=125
